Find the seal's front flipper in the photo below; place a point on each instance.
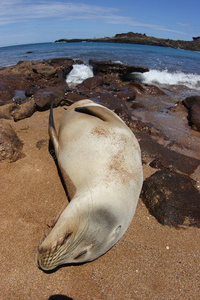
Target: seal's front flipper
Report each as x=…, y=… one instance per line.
x=52, y=131
x=100, y=112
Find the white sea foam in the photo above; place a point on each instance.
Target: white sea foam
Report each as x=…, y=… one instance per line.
x=78, y=74
x=81, y=72
x=165, y=77
x=118, y=62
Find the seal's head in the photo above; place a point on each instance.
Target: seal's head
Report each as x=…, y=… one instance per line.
x=81, y=238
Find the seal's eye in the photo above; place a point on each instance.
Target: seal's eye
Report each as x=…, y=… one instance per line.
x=81, y=254
x=67, y=235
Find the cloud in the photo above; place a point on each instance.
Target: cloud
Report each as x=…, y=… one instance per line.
x=16, y=11
x=183, y=24
x=131, y=22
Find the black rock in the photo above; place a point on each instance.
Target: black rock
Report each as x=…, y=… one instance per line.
x=172, y=199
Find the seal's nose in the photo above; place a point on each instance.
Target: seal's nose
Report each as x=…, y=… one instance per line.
x=37, y=261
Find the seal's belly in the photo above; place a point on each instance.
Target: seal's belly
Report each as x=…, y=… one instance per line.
x=105, y=154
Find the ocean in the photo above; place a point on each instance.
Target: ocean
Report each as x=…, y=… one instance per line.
x=168, y=67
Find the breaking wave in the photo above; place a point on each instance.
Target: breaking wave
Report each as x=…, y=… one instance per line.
x=165, y=77
x=192, y=81
x=78, y=74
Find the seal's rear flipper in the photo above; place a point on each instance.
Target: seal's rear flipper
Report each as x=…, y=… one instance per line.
x=100, y=112
x=52, y=130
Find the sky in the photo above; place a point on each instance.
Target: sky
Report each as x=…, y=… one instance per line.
x=37, y=21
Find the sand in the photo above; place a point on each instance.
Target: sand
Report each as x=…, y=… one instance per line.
x=151, y=261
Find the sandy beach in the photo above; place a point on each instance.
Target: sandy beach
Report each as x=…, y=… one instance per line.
x=151, y=261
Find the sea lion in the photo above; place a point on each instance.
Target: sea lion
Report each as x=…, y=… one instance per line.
x=100, y=161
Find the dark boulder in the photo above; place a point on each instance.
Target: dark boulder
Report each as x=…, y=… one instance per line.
x=137, y=105
x=31, y=90
x=142, y=88
x=72, y=97
x=126, y=94
x=9, y=84
x=63, y=65
x=158, y=164
x=91, y=83
x=109, y=67
x=193, y=105
x=109, y=101
x=97, y=85
x=172, y=199
x=44, y=70
x=52, y=94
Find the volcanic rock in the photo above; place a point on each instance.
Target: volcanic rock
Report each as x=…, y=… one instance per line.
x=109, y=67
x=24, y=110
x=72, y=97
x=126, y=94
x=6, y=110
x=158, y=164
x=63, y=65
x=10, y=144
x=193, y=105
x=137, y=104
x=172, y=199
x=142, y=88
x=9, y=84
x=28, y=77
x=44, y=97
x=91, y=83
x=95, y=86
x=170, y=159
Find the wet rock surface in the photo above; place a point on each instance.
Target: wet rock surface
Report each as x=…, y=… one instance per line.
x=44, y=97
x=9, y=84
x=45, y=81
x=193, y=106
x=172, y=199
x=32, y=77
x=109, y=67
x=142, y=88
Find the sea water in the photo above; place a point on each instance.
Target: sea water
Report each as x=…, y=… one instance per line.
x=167, y=66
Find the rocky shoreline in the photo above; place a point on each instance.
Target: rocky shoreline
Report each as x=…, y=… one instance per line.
x=168, y=131
x=143, y=39
x=32, y=86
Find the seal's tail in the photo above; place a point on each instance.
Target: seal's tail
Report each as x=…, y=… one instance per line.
x=52, y=131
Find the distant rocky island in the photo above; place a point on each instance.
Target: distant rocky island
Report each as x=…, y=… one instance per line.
x=143, y=39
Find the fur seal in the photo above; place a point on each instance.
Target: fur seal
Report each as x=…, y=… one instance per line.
x=100, y=161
